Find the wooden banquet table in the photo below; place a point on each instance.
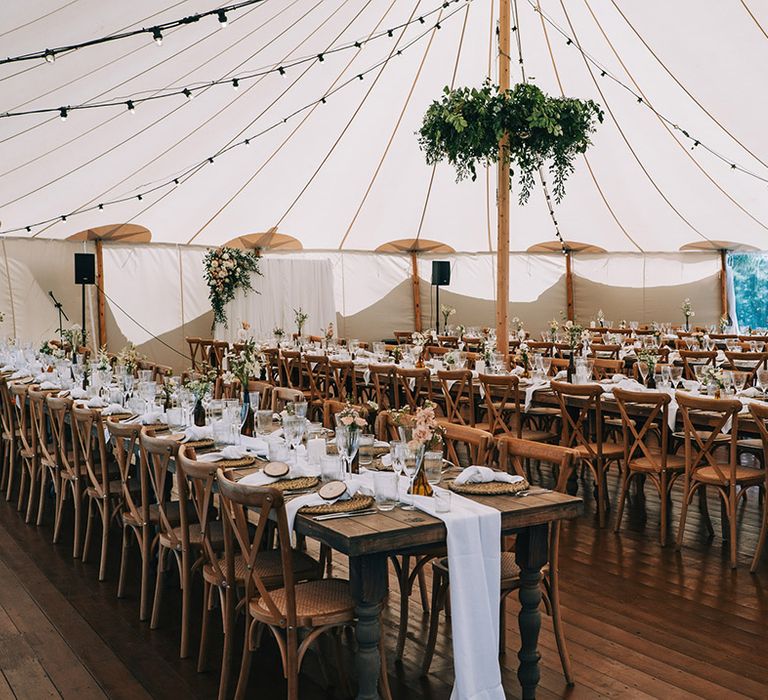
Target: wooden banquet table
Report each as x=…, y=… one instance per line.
x=369, y=540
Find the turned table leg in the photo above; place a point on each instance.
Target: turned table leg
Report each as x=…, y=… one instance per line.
x=368, y=579
x=531, y=554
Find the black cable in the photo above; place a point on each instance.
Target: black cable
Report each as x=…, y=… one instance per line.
x=156, y=31
x=143, y=327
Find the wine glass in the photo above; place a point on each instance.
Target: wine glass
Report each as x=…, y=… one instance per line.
x=666, y=374
x=396, y=456
x=411, y=456
x=293, y=429
x=676, y=375
x=347, y=441
x=761, y=379
x=727, y=380
x=739, y=380
x=642, y=368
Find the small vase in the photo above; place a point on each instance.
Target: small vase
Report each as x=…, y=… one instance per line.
x=571, y=368
x=420, y=485
x=687, y=324
x=199, y=413
x=246, y=415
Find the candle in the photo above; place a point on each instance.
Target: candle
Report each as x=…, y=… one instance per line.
x=315, y=450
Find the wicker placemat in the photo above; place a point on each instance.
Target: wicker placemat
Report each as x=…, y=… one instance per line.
x=301, y=482
x=235, y=463
x=118, y=416
x=379, y=450
x=200, y=444
x=358, y=502
x=489, y=488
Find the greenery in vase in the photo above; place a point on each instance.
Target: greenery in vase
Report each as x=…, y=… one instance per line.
x=278, y=333
x=201, y=385
x=446, y=312
x=466, y=125
x=75, y=336
x=687, y=309
x=554, y=327
x=48, y=348
x=423, y=421
x=129, y=357
x=226, y=271
x=300, y=317
x=575, y=333
x=102, y=359
x=245, y=363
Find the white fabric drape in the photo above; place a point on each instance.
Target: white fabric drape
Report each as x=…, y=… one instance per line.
x=285, y=284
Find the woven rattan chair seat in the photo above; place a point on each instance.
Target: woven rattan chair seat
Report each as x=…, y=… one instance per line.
x=323, y=602
x=744, y=475
x=215, y=535
x=268, y=566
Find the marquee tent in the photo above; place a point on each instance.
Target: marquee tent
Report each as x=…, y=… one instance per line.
x=677, y=171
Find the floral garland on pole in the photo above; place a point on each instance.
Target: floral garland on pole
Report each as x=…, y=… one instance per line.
x=226, y=271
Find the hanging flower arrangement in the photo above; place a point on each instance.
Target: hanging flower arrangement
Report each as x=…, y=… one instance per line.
x=226, y=271
x=466, y=125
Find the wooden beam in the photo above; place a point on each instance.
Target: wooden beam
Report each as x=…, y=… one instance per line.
x=569, y=286
x=100, y=292
x=502, y=195
x=723, y=284
x=416, y=292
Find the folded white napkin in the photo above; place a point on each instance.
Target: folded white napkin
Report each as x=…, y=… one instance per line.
x=517, y=371
x=257, y=445
x=314, y=499
x=96, y=402
x=751, y=392
x=114, y=409
x=616, y=378
x=197, y=432
x=480, y=475
x=151, y=418
x=20, y=373
x=78, y=393
x=48, y=385
x=229, y=452
x=386, y=460
x=7, y=368
x=561, y=376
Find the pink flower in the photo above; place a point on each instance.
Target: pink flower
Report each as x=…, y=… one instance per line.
x=361, y=422
x=347, y=420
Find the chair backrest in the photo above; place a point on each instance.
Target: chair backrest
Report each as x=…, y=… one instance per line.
x=64, y=442
x=502, y=402
x=162, y=371
x=226, y=389
x=92, y=447
x=448, y=341
x=514, y=452
x=290, y=361
x=576, y=425
x=458, y=392
x=125, y=438
x=343, y=384
x=759, y=412
x=156, y=455
x=385, y=428
x=7, y=415
x=558, y=365
x=265, y=393
x=37, y=417
x=194, y=352
x=606, y=351
x=638, y=429
x=541, y=347
x=603, y=367
x=704, y=422
x=696, y=357
x=472, y=443
x=331, y=407
x=239, y=539
x=747, y=362
x=218, y=351
x=281, y=396
x=413, y=385
x=403, y=337
x=21, y=416
x=384, y=385
x=273, y=369
x=196, y=481
x=317, y=372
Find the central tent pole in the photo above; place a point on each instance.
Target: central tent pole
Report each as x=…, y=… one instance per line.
x=502, y=195
x=416, y=292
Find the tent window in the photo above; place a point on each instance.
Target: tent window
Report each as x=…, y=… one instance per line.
x=749, y=272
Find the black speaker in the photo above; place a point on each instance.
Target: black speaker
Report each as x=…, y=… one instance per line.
x=85, y=268
x=441, y=272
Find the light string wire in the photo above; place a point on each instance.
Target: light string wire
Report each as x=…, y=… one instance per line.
x=188, y=91
x=192, y=170
x=155, y=30
x=606, y=73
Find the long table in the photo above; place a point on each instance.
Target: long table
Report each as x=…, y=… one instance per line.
x=368, y=542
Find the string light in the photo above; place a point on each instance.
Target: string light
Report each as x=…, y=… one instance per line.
x=192, y=170
x=156, y=32
x=131, y=106
x=235, y=84
x=63, y=114
x=187, y=93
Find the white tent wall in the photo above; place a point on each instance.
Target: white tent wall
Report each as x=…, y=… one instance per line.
x=647, y=288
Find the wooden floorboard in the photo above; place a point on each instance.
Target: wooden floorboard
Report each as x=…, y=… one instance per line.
x=641, y=621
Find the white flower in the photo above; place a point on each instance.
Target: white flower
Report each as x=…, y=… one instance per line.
x=242, y=335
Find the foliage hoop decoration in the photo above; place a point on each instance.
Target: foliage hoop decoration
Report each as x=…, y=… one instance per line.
x=226, y=271
x=465, y=126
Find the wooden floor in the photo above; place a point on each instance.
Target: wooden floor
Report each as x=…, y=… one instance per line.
x=641, y=622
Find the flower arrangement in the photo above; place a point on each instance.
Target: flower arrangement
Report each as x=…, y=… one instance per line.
x=523, y=355
x=574, y=333
x=244, y=332
x=129, y=358
x=201, y=385
x=349, y=417
x=713, y=375
x=724, y=323
x=489, y=346
x=446, y=312
x=226, y=271
x=48, y=348
x=687, y=308
x=75, y=336
x=464, y=127
x=460, y=331
x=278, y=332
x=300, y=317
x=426, y=430
x=419, y=340
x=328, y=333
x=600, y=318
x=245, y=363
x=102, y=359
x=649, y=358
x=451, y=359
x=554, y=327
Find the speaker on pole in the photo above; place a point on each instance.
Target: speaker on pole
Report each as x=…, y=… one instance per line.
x=441, y=273
x=85, y=268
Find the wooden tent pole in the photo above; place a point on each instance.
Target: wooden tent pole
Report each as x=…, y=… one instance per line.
x=723, y=284
x=416, y=292
x=502, y=195
x=100, y=292
x=569, y=285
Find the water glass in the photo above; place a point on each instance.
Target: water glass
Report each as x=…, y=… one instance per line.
x=278, y=451
x=264, y=422
x=222, y=434
x=433, y=467
x=330, y=468
x=365, y=447
x=300, y=408
x=442, y=500
x=761, y=379
x=175, y=417
x=385, y=490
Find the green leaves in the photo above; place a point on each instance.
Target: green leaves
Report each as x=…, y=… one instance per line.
x=465, y=126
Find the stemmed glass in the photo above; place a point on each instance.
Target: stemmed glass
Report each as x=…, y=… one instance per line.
x=347, y=441
x=128, y=381
x=397, y=462
x=411, y=457
x=293, y=429
x=676, y=375
x=727, y=381
x=642, y=367
x=761, y=379
x=666, y=374
x=739, y=380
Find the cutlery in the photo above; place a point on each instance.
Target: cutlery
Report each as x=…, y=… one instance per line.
x=296, y=492
x=349, y=514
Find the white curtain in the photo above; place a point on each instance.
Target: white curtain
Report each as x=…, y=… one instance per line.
x=285, y=284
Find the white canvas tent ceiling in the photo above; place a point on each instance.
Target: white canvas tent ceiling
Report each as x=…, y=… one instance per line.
x=348, y=174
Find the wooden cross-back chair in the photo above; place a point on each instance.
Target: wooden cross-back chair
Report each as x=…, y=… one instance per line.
x=690, y=358
x=161, y=372
x=604, y=367
x=195, y=352
x=282, y=396
x=606, y=351
x=448, y=341
x=403, y=337
x=138, y=517
x=265, y=393
x=541, y=347
x=28, y=453
x=273, y=368
x=759, y=413
x=292, y=370
x=465, y=446
x=384, y=382
x=70, y=476
x=414, y=386
x=343, y=384
x=586, y=437
x=646, y=458
x=331, y=407
x=457, y=396
x=515, y=453
x=704, y=468
x=385, y=428
x=102, y=489
x=48, y=463
x=749, y=362
x=9, y=441
x=317, y=371
x=283, y=590
x=226, y=389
